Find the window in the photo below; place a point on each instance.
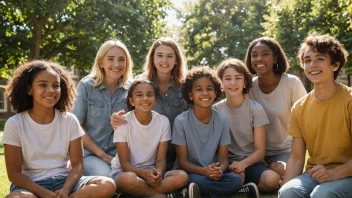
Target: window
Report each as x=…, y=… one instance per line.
x=3, y=101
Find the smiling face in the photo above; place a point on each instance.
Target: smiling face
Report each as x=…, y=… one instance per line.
x=318, y=67
x=113, y=63
x=233, y=82
x=262, y=59
x=164, y=59
x=203, y=93
x=45, y=89
x=143, y=98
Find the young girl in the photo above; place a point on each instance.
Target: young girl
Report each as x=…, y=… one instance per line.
x=247, y=126
x=43, y=147
x=100, y=94
x=165, y=66
x=201, y=136
x=139, y=167
x=276, y=91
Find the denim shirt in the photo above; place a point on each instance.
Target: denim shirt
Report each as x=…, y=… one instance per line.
x=171, y=104
x=94, y=105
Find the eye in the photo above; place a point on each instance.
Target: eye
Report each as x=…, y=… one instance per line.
x=306, y=61
x=254, y=55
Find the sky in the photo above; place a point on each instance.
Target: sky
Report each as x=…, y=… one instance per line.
x=171, y=18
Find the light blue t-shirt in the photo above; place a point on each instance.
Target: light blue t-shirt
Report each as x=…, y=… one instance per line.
x=95, y=105
x=202, y=140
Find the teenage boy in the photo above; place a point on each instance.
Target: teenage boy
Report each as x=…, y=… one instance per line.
x=321, y=122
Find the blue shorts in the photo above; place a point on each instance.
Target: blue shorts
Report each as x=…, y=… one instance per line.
x=55, y=183
x=283, y=157
x=254, y=172
x=115, y=176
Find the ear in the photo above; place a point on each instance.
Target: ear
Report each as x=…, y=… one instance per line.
x=29, y=90
x=99, y=63
x=275, y=59
x=190, y=95
x=336, y=66
x=130, y=99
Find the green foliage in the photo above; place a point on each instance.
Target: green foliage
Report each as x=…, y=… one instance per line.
x=291, y=21
x=71, y=32
x=214, y=30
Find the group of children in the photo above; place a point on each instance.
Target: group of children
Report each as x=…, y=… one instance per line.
x=222, y=148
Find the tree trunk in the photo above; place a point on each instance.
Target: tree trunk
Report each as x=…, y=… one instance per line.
x=38, y=24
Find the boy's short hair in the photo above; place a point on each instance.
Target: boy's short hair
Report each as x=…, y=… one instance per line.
x=196, y=73
x=240, y=67
x=325, y=44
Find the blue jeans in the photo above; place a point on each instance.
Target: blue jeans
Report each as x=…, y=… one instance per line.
x=305, y=186
x=94, y=166
x=227, y=185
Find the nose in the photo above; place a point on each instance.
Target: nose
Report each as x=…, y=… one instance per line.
x=116, y=63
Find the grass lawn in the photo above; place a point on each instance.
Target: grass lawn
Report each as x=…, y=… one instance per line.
x=4, y=182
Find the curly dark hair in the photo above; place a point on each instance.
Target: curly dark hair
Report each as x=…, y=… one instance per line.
x=325, y=44
x=275, y=47
x=240, y=67
x=133, y=86
x=196, y=73
x=23, y=77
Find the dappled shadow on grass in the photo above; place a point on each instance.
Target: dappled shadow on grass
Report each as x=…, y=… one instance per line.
x=1, y=149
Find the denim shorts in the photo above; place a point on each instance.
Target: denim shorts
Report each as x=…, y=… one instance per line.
x=254, y=172
x=115, y=176
x=283, y=157
x=55, y=183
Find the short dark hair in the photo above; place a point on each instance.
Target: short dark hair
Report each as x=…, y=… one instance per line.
x=199, y=72
x=275, y=47
x=17, y=87
x=240, y=67
x=325, y=44
x=133, y=86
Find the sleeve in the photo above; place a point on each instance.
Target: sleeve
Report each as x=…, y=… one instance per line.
x=80, y=107
x=178, y=133
x=259, y=116
x=11, y=134
x=294, y=129
x=76, y=129
x=225, y=135
x=120, y=134
x=297, y=90
x=349, y=106
x=166, y=130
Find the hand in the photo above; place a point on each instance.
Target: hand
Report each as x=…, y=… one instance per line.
x=238, y=167
x=117, y=119
x=153, y=177
x=107, y=158
x=49, y=194
x=213, y=171
x=62, y=193
x=321, y=174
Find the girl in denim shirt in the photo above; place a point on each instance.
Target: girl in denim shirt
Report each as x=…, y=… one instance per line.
x=100, y=94
x=165, y=66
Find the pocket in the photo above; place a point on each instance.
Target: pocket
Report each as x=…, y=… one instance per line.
x=95, y=108
x=177, y=102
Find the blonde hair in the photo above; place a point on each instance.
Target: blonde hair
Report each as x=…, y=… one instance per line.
x=179, y=70
x=98, y=74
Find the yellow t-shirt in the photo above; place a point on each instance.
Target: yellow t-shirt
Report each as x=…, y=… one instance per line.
x=325, y=127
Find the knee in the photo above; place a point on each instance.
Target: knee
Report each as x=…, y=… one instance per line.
x=289, y=191
x=278, y=167
x=324, y=193
x=21, y=195
x=269, y=181
x=128, y=181
x=181, y=178
x=106, y=186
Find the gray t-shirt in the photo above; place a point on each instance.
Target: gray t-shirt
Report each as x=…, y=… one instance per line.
x=243, y=120
x=201, y=140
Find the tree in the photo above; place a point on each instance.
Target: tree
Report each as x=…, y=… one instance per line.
x=71, y=32
x=214, y=30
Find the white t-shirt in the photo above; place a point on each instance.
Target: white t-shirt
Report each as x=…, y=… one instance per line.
x=277, y=106
x=142, y=140
x=45, y=148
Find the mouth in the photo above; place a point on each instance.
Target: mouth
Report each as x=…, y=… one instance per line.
x=205, y=99
x=116, y=70
x=314, y=73
x=50, y=98
x=164, y=66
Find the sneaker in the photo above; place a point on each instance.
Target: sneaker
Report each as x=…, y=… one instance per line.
x=193, y=191
x=184, y=193
x=249, y=190
x=171, y=195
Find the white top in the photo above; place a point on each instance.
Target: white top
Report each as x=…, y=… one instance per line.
x=45, y=148
x=277, y=106
x=242, y=121
x=142, y=140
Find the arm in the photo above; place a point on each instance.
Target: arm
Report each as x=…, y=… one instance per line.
x=117, y=119
x=321, y=174
x=91, y=146
x=256, y=156
x=76, y=158
x=161, y=157
x=296, y=160
x=13, y=159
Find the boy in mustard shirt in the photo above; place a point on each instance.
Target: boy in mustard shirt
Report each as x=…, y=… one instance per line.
x=321, y=123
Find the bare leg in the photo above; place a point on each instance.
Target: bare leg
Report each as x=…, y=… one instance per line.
x=278, y=167
x=173, y=181
x=21, y=195
x=97, y=187
x=269, y=181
